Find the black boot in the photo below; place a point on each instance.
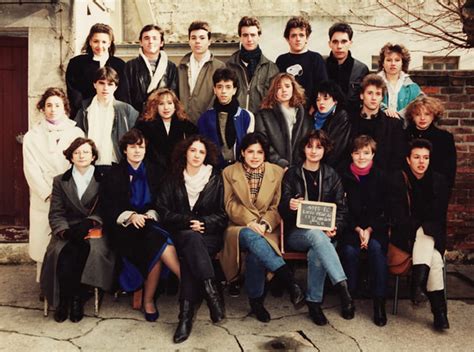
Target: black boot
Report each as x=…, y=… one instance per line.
x=419, y=276
x=77, y=309
x=286, y=277
x=62, y=310
x=380, y=317
x=316, y=313
x=214, y=302
x=185, y=324
x=257, y=308
x=347, y=304
x=439, y=309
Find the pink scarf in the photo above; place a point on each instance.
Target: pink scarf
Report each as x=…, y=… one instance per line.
x=361, y=172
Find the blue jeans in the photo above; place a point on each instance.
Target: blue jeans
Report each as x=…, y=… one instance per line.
x=260, y=258
x=322, y=259
x=378, y=270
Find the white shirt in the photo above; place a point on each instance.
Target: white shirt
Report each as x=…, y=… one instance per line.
x=82, y=181
x=195, y=67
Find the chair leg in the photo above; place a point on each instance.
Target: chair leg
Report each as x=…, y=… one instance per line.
x=137, y=299
x=395, y=296
x=96, y=301
x=45, y=307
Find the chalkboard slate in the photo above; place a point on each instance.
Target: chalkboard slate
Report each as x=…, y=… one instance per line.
x=316, y=215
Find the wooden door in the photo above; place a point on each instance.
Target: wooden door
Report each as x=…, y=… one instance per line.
x=13, y=122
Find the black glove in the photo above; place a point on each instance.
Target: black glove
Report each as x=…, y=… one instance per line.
x=79, y=231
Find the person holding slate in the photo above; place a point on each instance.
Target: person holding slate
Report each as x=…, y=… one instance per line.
x=313, y=180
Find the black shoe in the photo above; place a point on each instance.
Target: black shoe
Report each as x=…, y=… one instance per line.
x=439, y=309
x=214, y=302
x=316, y=313
x=286, y=277
x=62, y=310
x=77, y=309
x=380, y=317
x=185, y=324
x=257, y=308
x=234, y=289
x=419, y=276
x=151, y=317
x=347, y=304
x=277, y=288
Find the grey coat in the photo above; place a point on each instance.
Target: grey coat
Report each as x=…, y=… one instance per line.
x=68, y=210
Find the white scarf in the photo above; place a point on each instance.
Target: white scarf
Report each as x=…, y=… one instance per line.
x=101, y=121
x=195, y=184
x=160, y=69
x=393, y=91
x=55, y=131
x=290, y=118
x=102, y=59
x=82, y=181
x=195, y=67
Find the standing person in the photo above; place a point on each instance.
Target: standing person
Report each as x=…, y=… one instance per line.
x=283, y=119
x=342, y=68
x=418, y=203
x=422, y=114
x=226, y=123
x=151, y=69
x=98, y=51
x=128, y=199
x=367, y=223
x=307, y=66
x=104, y=119
x=195, y=71
x=42, y=161
x=401, y=90
x=386, y=132
x=75, y=257
x=253, y=69
x=164, y=123
x=315, y=181
x=191, y=205
x=252, y=189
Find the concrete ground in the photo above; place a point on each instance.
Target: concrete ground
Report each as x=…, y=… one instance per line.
x=120, y=328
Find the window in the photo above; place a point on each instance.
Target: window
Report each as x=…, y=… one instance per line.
x=440, y=62
x=375, y=62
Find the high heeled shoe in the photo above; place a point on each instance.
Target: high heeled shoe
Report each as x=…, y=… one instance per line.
x=151, y=317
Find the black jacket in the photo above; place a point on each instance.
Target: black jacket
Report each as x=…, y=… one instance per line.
x=138, y=78
x=443, y=155
x=330, y=191
x=367, y=206
x=271, y=122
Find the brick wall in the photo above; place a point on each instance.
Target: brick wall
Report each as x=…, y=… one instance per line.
x=456, y=90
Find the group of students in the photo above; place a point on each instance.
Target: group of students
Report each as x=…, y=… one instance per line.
x=159, y=183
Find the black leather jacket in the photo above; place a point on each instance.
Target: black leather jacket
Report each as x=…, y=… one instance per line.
x=338, y=128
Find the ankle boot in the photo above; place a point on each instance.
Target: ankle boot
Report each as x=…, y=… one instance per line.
x=347, y=304
x=380, y=317
x=213, y=299
x=439, y=309
x=419, y=276
x=77, y=309
x=286, y=277
x=257, y=308
x=62, y=310
x=316, y=313
x=185, y=324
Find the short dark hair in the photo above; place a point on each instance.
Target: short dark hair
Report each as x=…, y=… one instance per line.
x=255, y=138
x=99, y=28
x=150, y=27
x=364, y=141
x=134, y=136
x=297, y=22
x=225, y=74
x=69, y=151
x=312, y=135
x=395, y=48
x=54, y=91
x=332, y=89
x=106, y=73
x=249, y=21
x=341, y=27
x=196, y=25
x=419, y=143
x=372, y=79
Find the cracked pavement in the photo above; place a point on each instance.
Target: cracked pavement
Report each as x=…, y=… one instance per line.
x=120, y=328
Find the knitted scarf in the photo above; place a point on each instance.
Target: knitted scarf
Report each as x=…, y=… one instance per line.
x=231, y=110
x=358, y=172
x=254, y=178
x=251, y=58
x=321, y=117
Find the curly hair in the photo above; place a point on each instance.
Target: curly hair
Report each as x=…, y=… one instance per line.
x=395, y=48
x=270, y=100
x=315, y=135
x=99, y=28
x=180, y=151
x=69, y=151
x=297, y=22
x=151, y=108
x=50, y=92
x=432, y=105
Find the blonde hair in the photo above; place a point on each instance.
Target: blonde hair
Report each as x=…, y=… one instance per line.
x=151, y=108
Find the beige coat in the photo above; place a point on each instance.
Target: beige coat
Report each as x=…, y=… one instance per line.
x=242, y=211
x=43, y=159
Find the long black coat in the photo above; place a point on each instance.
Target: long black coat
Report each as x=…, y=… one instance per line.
x=367, y=206
x=443, y=155
x=175, y=212
x=404, y=224
x=330, y=191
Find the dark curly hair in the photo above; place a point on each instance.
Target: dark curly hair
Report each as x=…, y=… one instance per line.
x=395, y=48
x=54, y=91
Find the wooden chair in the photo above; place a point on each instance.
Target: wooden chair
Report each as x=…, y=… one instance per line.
x=96, y=304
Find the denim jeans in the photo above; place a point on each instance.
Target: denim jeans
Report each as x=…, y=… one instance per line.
x=378, y=270
x=261, y=257
x=322, y=259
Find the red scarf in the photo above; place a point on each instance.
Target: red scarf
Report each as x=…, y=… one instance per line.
x=356, y=171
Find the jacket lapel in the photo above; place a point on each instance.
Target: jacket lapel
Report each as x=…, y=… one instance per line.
x=89, y=195
x=241, y=188
x=70, y=190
